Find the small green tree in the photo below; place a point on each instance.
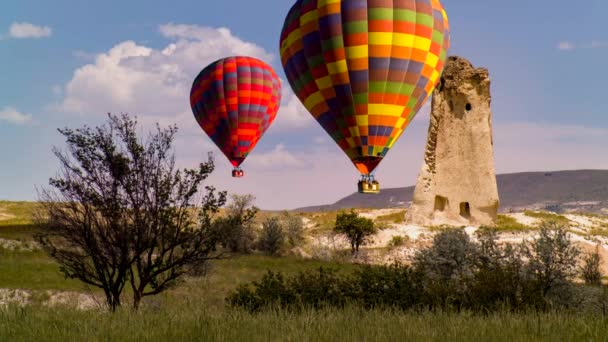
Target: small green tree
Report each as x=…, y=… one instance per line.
x=357, y=229
x=591, y=272
x=272, y=236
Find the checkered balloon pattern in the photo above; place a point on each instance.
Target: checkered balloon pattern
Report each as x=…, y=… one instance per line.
x=234, y=101
x=364, y=68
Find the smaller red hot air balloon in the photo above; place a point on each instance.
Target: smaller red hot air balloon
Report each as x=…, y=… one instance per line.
x=235, y=100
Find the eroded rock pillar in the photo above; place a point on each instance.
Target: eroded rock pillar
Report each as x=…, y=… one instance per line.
x=457, y=181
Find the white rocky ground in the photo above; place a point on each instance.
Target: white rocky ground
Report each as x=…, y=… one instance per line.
x=584, y=231
x=49, y=298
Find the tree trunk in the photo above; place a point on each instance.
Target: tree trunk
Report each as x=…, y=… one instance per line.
x=115, y=300
x=136, y=300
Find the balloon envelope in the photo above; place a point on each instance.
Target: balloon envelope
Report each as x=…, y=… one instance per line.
x=234, y=101
x=364, y=68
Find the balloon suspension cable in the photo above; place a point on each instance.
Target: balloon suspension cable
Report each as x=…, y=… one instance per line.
x=368, y=178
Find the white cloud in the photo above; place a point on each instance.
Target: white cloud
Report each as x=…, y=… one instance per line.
x=596, y=44
x=565, y=46
x=13, y=116
x=155, y=83
x=278, y=159
x=27, y=30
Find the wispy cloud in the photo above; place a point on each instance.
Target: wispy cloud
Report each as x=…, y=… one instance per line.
x=26, y=30
x=567, y=45
x=11, y=115
x=279, y=158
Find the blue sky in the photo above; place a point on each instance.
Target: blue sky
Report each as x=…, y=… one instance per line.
x=67, y=63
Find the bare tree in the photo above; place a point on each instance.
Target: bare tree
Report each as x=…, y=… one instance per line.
x=120, y=213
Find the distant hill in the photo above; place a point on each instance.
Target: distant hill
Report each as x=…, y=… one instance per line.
x=582, y=190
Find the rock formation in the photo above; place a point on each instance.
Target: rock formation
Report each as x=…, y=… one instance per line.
x=457, y=182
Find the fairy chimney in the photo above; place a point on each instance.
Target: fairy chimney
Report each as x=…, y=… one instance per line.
x=457, y=182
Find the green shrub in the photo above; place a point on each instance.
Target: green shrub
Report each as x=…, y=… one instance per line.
x=547, y=217
x=236, y=229
x=448, y=267
x=293, y=225
x=306, y=289
x=455, y=272
x=552, y=257
x=398, y=241
x=271, y=290
x=508, y=223
x=396, y=218
x=395, y=286
x=591, y=272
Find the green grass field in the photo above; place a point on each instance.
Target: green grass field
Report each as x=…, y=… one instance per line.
x=192, y=322
x=547, y=216
x=509, y=224
x=196, y=309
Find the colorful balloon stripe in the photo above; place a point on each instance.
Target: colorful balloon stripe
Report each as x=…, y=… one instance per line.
x=364, y=68
x=234, y=101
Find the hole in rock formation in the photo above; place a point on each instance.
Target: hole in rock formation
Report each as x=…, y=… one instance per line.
x=465, y=210
x=440, y=203
x=468, y=107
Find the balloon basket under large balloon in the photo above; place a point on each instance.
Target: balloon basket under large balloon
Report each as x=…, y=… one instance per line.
x=368, y=185
x=238, y=173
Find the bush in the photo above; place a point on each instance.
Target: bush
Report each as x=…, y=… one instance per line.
x=236, y=229
x=591, y=272
x=552, y=257
x=499, y=280
x=293, y=226
x=448, y=267
x=371, y=287
x=508, y=223
x=306, y=289
x=395, y=286
x=271, y=290
x=398, y=241
x=453, y=273
x=272, y=236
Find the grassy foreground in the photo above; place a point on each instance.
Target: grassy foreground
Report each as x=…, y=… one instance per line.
x=194, y=323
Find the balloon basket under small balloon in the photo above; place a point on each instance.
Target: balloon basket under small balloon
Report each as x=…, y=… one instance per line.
x=238, y=173
x=368, y=185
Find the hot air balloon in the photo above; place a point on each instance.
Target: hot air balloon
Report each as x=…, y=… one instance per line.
x=364, y=68
x=235, y=100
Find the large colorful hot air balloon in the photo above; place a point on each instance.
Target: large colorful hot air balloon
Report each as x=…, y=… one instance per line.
x=235, y=100
x=363, y=69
